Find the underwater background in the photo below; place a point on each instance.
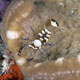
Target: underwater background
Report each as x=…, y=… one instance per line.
x=59, y=58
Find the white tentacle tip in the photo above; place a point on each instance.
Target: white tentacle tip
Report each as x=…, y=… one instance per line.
x=12, y=34
x=78, y=57
x=21, y=61
x=59, y=60
x=37, y=65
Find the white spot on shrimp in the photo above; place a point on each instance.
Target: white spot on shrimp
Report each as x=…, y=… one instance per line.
x=43, y=32
x=12, y=34
x=32, y=47
x=54, y=24
x=47, y=31
x=40, y=34
x=46, y=39
x=59, y=60
x=37, y=43
x=48, y=36
x=41, y=39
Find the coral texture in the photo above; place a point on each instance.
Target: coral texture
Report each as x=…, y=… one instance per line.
x=13, y=73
